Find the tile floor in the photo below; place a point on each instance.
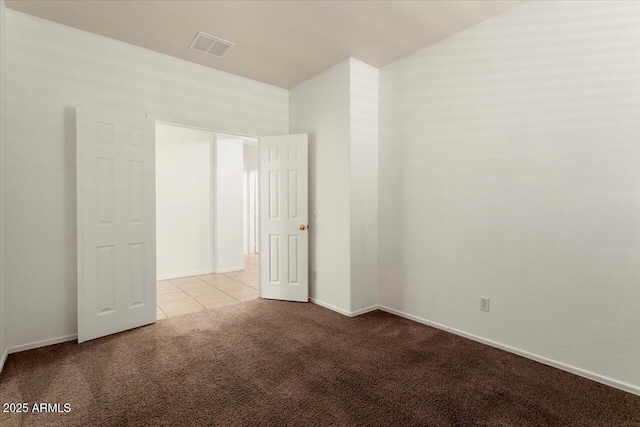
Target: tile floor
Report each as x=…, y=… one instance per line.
x=194, y=293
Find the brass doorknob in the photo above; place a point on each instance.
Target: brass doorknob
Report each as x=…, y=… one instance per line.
x=302, y=227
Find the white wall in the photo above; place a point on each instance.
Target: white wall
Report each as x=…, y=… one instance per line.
x=199, y=198
x=364, y=184
x=50, y=69
x=251, y=162
x=184, y=201
x=509, y=158
x=339, y=110
x=320, y=107
x=3, y=317
x=229, y=206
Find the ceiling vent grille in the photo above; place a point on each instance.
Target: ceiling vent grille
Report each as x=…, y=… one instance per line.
x=212, y=45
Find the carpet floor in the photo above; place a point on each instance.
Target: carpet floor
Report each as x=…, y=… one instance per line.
x=272, y=363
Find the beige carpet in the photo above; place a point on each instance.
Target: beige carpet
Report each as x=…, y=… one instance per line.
x=271, y=363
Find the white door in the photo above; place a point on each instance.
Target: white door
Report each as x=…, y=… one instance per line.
x=284, y=236
x=115, y=159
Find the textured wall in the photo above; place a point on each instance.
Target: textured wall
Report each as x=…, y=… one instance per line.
x=339, y=110
x=320, y=107
x=50, y=69
x=184, y=201
x=509, y=159
x=364, y=184
x=228, y=205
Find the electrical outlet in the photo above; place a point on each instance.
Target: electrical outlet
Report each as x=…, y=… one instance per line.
x=484, y=303
x=315, y=212
x=315, y=274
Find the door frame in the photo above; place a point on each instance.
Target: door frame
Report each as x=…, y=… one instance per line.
x=252, y=208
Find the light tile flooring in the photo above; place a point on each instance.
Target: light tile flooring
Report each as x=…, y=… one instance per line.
x=194, y=293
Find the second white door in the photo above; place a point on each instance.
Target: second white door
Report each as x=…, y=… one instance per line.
x=284, y=235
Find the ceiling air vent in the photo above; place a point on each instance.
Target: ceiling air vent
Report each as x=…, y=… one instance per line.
x=210, y=44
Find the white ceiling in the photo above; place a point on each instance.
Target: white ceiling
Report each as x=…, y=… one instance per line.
x=282, y=43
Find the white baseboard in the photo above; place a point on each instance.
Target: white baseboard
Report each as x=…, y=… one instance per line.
x=364, y=310
x=572, y=369
x=198, y=272
x=226, y=270
x=342, y=311
x=187, y=273
x=330, y=307
x=42, y=343
x=4, y=359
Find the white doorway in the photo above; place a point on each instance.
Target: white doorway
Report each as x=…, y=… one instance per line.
x=203, y=194
x=120, y=166
x=184, y=201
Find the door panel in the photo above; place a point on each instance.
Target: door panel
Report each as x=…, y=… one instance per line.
x=284, y=236
x=116, y=222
